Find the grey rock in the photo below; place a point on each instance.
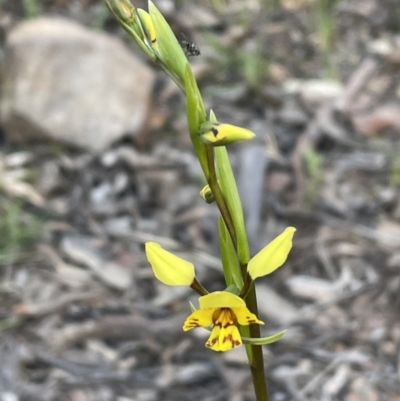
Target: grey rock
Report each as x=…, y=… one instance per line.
x=67, y=83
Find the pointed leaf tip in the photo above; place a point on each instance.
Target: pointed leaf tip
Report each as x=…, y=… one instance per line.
x=264, y=340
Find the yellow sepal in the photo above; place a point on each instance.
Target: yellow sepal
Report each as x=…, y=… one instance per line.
x=169, y=268
x=272, y=256
x=220, y=299
x=217, y=134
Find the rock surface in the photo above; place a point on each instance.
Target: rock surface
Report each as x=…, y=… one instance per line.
x=65, y=82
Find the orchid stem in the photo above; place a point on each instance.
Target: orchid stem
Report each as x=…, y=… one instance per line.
x=257, y=360
x=196, y=286
x=257, y=364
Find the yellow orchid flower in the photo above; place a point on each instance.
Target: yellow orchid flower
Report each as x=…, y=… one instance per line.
x=224, y=311
x=272, y=256
x=169, y=268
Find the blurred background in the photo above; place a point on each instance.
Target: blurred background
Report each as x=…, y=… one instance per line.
x=95, y=160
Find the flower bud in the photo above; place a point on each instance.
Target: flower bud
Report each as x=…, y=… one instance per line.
x=123, y=9
x=207, y=194
x=217, y=134
x=148, y=27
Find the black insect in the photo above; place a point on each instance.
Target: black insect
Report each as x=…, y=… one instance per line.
x=191, y=49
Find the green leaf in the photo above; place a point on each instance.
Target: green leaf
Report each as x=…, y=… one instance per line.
x=264, y=340
x=232, y=198
x=234, y=289
x=196, y=115
x=229, y=258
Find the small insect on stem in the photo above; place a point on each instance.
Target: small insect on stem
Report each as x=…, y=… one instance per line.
x=190, y=48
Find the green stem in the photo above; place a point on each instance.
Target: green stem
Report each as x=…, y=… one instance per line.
x=246, y=286
x=257, y=364
x=196, y=286
x=219, y=197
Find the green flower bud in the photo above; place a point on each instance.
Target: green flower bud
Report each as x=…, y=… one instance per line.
x=148, y=27
x=169, y=49
x=122, y=9
x=207, y=194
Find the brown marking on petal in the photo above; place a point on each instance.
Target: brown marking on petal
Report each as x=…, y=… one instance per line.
x=251, y=321
x=211, y=342
x=234, y=343
x=194, y=319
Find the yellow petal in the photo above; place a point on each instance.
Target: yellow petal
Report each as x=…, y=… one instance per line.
x=224, y=337
x=199, y=318
x=245, y=317
x=220, y=299
x=167, y=267
x=271, y=257
x=218, y=134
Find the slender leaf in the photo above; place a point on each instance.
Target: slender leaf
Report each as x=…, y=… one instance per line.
x=230, y=262
x=232, y=198
x=264, y=340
